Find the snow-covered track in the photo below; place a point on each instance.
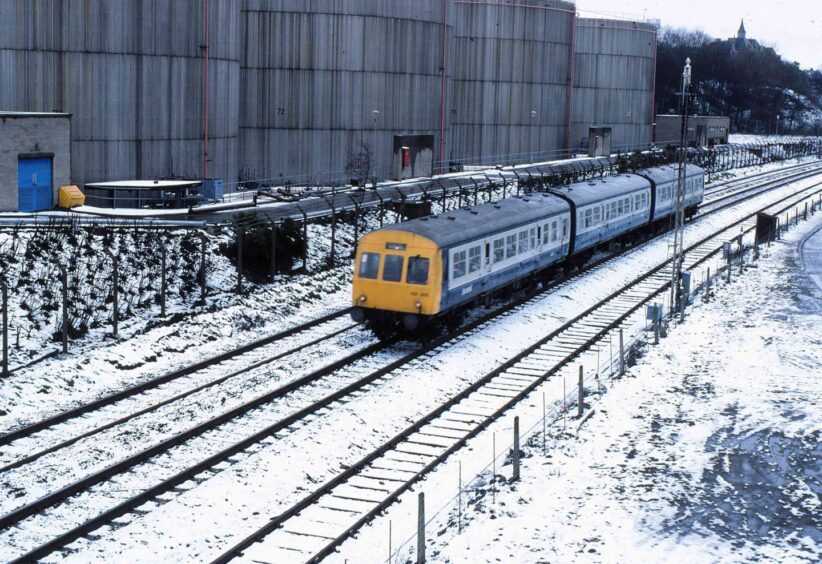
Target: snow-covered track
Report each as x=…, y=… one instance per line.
x=312, y=528
x=32, y=428
x=207, y=462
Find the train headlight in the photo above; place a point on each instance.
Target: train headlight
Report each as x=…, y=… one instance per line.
x=418, y=305
x=362, y=299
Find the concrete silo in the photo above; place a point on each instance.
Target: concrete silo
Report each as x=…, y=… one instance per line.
x=511, y=89
x=132, y=74
x=322, y=77
x=614, y=81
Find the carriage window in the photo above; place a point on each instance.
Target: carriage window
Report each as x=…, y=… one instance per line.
x=369, y=265
x=589, y=215
x=545, y=234
x=628, y=207
x=539, y=234
x=510, y=246
x=553, y=231
x=613, y=213
x=621, y=207
x=458, y=269
x=499, y=250
x=523, y=242
x=392, y=271
x=533, y=236
x=564, y=228
x=597, y=219
x=417, y=270
x=474, y=259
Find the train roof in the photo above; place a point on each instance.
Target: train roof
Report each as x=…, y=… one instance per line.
x=668, y=173
x=583, y=193
x=465, y=224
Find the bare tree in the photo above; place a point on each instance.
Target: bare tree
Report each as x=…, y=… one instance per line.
x=360, y=162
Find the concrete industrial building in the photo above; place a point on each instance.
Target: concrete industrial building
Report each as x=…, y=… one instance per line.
x=702, y=130
x=294, y=87
x=35, y=159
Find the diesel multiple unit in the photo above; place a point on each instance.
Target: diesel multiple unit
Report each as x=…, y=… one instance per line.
x=433, y=266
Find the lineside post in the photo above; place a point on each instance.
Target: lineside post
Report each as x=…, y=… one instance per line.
x=64, y=284
x=421, y=528
x=580, y=402
x=621, y=354
x=5, y=291
x=272, y=252
x=163, y=278
x=240, y=238
x=515, y=477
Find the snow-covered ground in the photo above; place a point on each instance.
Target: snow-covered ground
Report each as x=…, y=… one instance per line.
x=708, y=450
x=240, y=497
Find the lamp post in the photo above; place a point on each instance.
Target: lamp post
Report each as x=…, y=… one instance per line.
x=778, y=117
x=679, y=229
x=375, y=115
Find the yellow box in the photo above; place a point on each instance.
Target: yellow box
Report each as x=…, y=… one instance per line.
x=71, y=197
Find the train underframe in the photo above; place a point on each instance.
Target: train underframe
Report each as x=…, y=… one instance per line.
x=386, y=324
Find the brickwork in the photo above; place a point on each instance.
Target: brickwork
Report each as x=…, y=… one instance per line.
x=33, y=134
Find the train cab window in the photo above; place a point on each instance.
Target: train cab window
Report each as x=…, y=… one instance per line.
x=523, y=241
x=392, y=271
x=510, y=246
x=458, y=270
x=499, y=250
x=369, y=265
x=474, y=259
x=417, y=270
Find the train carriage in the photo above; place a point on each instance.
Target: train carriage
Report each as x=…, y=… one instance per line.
x=412, y=272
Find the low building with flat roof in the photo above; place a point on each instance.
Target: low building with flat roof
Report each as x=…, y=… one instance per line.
x=702, y=130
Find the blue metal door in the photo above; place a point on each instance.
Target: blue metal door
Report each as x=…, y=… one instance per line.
x=34, y=190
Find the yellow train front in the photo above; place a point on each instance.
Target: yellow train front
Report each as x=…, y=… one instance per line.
x=397, y=280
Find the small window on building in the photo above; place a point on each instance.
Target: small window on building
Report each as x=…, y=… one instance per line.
x=523, y=242
x=369, y=265
x=499, y=249
x=392, y=271
x=474, y=259
x=510, y=246
x=458, y=268
x=417, y=270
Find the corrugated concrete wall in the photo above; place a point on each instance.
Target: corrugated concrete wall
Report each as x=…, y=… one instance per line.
x=40, y=135
x=315, y=71
x=510, y=78
x=131, y=72
x=614, y=80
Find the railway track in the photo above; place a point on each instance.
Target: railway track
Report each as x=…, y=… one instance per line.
x=191, y=472
x=312, y=528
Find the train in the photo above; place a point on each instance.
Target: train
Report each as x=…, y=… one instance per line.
x=411, y=274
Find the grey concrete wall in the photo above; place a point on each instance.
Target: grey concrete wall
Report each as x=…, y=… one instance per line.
x=510, y=78
x=27, y=136
x=314, y=71
x=131, y=72
x=614, y=80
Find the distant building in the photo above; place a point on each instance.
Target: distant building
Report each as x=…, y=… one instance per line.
x=741, y=43
x=702, y=130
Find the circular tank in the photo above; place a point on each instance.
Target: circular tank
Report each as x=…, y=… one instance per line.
x=510, y=80
x=614, y=81
x=131, y=73
x=321, y=77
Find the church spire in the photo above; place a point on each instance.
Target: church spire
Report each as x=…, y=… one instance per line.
x=741, y=33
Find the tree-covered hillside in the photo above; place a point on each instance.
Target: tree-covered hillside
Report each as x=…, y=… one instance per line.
x=750, y=83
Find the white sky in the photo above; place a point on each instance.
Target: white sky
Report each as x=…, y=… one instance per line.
x=793, y=28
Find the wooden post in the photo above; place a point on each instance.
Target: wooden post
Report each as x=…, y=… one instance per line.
x=390, y=548
x=240, y=238
x=5, y=291
x=621, y=354
x=115, y=294
x=272, y=252
x=163, y=279
x=202, y=273
x=707, y=295
x=333, y=253
x=581, y=400
x=421, y=528
x=544, y=443
x=459, y=497
x=494, y=467
x=64, y=283
x=656, y=325
x=515, y=477
x=729, y=268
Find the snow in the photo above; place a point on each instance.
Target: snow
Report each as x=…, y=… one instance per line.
x=240, y=497
x=707, y=451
